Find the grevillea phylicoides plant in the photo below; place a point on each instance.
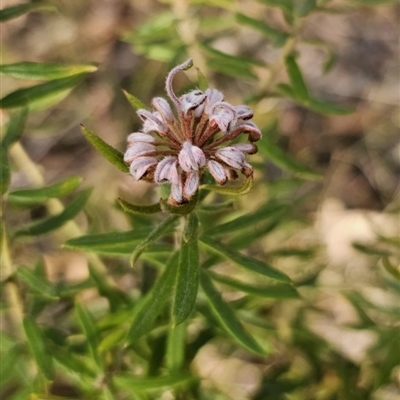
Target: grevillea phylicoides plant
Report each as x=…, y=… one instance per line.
x=177, y=147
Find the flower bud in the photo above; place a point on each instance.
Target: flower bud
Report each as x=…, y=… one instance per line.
x=140, y=165
x=177, y=192
x=192, y=100
x=213, y=96
x=191, y=157
x=191, y=184
x=140, y=137
x=248, y=148
x=244, y=112
x=163, y=107
x=231, y=156
x=217, y=171
x=138, y=149
x=152, y=122
x=167, y=171
x=223, y=114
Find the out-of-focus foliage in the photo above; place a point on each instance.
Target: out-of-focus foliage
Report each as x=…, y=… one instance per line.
x=280, y=288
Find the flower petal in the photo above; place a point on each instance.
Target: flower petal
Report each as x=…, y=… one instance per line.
x=217, y=171
x=191, y=184
x=152, y=121
x=213, y=96
x=163, y=107
x=192, y=100
x=167, y=171
x=140, y=165
x=244, y=112
x=248, y=148
x=231, y=156
x=224, y=115
x=191, y=157
x=140, y=137
x=138, y=149
x=177, y=192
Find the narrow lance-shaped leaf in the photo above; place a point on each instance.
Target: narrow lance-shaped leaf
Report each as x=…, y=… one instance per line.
x=56, y=221
x=280, y=291
x=38, y=348
x=37, y=93
x=278, y=38
x=87, y=323
x=36, y=283
x=183, y=209
x=151, y=384
x=175, y=356
x=20, y=9
x=252, y=264
x=226, y=316
x=15, y=127
x=40, y=195
x=187, y=280
x=135, y=209
x=278, y=157
x=43, y=71
x=271, y=209
x=156, y=233
x=108, y=241
x=134, y=101
x=296, y=78
x=150, y=307
x=113, y=155
x=231, y=190
x=5, y=174
x=395, y=272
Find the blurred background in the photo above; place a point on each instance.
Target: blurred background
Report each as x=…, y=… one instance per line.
x=339, y=174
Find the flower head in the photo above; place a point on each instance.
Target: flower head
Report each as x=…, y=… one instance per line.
x=177, y=147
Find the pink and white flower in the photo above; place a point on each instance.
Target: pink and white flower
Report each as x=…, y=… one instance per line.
x=178, y=147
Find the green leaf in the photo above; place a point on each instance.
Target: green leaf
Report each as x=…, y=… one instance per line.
x=395, y=272
x=151, y=384
x=113, y=155
x=187, y=280
x=183, y=209
x=236, y=70
x=134, y=101
x=325, y=107
x=304, y=7
x=277, y=38
x=108, y=242
x=56, y=221
x=243, y=261
x=15, y=127
x=39, y=93
x=43, y=71
x=231, y=190
x=201, y=80
x=278, y=157
x=296, y=78
x=20, y=9
x=88, y=326
x=191, y=230
x=40, y=195
x=370, y=250
x=156, y=233
x=281, y=291
x=175, y=356
x=36, y=283
x=226, y=316
x=150, y=307
x=271, y=209
x=5, y=174
x=135, y=209
x=37, y=346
